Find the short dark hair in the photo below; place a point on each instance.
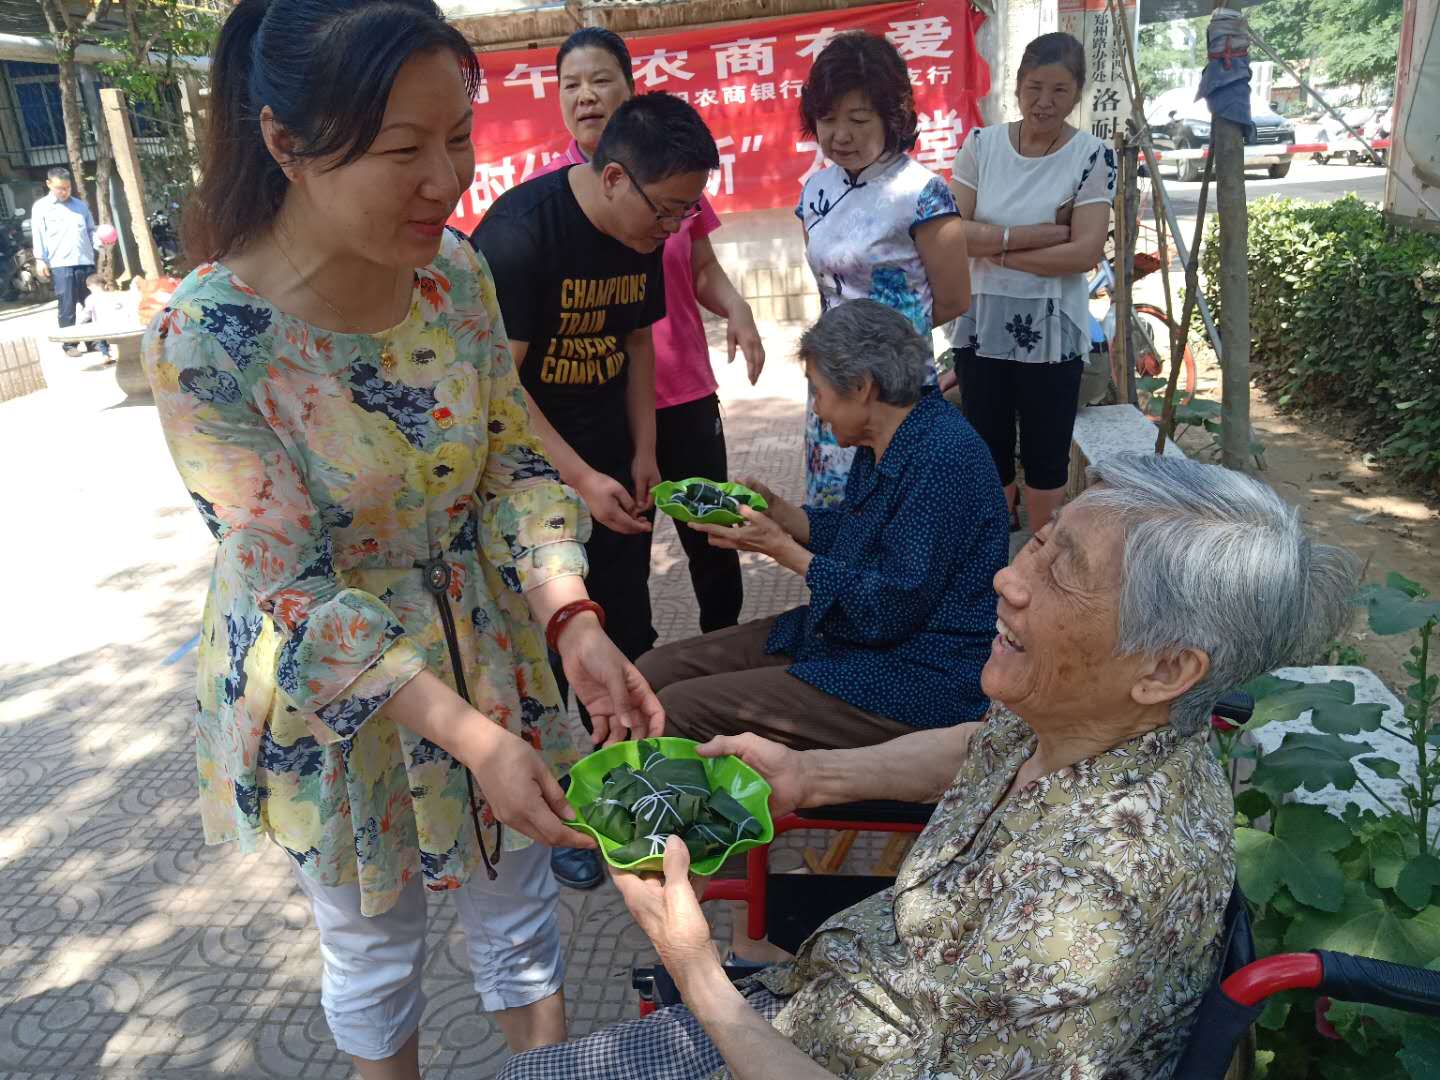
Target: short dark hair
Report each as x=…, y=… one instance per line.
x=597, y=37
x=59, y=172
x=1057, y=48
x=326, y=69
x=868, y=63
x=657, y=136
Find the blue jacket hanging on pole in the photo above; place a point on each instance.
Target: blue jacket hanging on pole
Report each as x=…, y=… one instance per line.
x=1225, y=84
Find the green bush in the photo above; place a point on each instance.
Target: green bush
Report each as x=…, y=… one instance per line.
x=1365, y=881
x=1345, y=315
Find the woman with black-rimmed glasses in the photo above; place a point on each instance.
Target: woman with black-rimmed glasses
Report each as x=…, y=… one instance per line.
x=595, y=78
x=577, y=256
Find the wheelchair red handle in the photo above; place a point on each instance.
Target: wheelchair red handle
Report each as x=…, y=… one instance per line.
x=1255, y=982
x=1342, y=977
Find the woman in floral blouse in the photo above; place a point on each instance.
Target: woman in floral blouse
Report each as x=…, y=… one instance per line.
x=878, y=224
x=337, y=393
x=1060, y=915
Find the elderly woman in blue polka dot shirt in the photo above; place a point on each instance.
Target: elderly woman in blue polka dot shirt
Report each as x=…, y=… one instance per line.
x=901, y=611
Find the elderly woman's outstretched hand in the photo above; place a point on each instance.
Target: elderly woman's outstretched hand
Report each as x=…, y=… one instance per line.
x=761, y=533
x=779, y=765
x=668, y=910
x=784, y=513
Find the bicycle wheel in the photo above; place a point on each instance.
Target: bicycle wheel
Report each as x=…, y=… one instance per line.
x=1150, y=330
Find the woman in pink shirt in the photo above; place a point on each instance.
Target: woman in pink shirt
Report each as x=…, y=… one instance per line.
x=595, y=77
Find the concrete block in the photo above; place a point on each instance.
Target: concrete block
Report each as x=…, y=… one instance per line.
x=1103, y=431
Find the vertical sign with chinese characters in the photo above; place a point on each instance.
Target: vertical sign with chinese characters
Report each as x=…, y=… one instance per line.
x=745, y=80
x=1105, y=103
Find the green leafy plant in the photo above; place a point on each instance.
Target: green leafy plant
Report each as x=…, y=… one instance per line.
x=1345, y=320
x=1195, y=411
x=1341, y=654
x=1365, y=881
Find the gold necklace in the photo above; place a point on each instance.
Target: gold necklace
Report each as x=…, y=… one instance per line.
x=387, y=357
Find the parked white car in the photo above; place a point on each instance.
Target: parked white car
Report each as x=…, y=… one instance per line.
x=1372, y=121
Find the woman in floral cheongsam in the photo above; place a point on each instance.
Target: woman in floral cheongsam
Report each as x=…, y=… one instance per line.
x=878, y=224
x=336, y=390
x=1035, y=196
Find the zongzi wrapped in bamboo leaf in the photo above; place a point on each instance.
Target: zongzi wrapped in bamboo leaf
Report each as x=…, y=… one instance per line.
x=612, y=818
x=684, y=774
x=706, y=838
x=642, y=847
x=638, y=808
x=625, y=786
x=667, y=810
x=723, y=805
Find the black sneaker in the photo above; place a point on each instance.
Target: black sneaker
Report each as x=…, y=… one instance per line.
x=576, y=868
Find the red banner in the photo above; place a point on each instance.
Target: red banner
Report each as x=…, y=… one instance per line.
x=745, y=81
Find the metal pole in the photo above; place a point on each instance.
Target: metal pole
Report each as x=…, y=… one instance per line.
x=1183, y=253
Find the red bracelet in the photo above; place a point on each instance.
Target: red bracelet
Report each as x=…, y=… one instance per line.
x=561, y=619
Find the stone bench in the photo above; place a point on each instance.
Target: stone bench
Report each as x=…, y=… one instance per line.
x=124, y=340
x=1103, y=431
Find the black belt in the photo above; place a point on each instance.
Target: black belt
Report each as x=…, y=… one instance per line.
x=437, y=575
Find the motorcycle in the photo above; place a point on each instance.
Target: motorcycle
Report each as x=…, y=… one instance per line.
x=167, y=240
x=19, y=273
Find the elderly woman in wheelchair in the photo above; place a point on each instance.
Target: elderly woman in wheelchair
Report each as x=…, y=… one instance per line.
x=1060, y=915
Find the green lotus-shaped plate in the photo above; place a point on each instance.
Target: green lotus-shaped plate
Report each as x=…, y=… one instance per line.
x=729, y=774
x=666, y=500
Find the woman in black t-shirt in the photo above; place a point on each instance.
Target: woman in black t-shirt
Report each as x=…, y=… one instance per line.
x=576, y=256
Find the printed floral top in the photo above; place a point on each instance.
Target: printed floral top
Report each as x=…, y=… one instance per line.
x=1015, y=315
x=1068, y=931
x=860, y=242
x=328, y=465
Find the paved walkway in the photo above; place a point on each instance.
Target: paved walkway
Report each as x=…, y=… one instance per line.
x=128, y=948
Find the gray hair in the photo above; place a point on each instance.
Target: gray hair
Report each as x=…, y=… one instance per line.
x=862, y=338
x=1215, y=560
x=59, y=172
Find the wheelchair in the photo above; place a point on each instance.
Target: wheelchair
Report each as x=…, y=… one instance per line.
x=788, y=908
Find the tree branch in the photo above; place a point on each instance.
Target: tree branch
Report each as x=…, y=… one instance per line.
x=98, y=12
x=52, y=9
x=140, y=45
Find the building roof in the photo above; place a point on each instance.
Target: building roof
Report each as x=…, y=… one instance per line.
x=23, y=17
x=511, y=24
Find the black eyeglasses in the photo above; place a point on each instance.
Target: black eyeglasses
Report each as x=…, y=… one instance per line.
x=676, y=220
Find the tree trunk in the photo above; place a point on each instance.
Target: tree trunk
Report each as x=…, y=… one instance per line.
x=1228, y=146
x=58, y=20
x=105, y=213
x=104, y=169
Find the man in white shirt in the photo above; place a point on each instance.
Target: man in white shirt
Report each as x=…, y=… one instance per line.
x=64, y=234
